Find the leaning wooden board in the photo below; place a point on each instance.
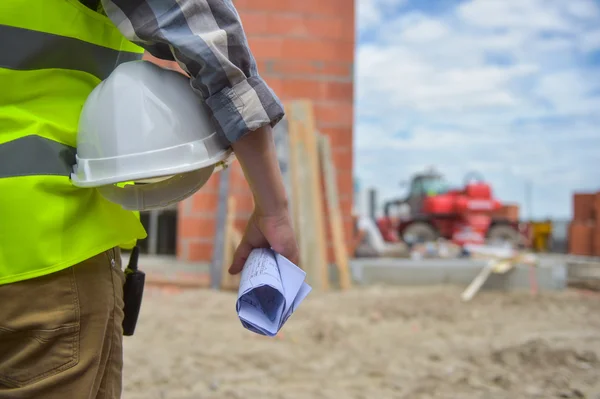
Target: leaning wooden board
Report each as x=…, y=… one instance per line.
x=335, y=217
x=229, y=282
x=219, y=243
x=307, y=193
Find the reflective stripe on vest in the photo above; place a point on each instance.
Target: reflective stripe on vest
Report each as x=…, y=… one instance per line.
x=35, y=155
x=25, y=49
x=53, y=53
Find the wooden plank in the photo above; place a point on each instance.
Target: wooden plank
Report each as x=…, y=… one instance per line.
x=307, y=193
x=219, y=243
x=303, y=110
x=233, y=282
x=303, y=225
x=296, y=182
x=300, y=206
x=478, y=281
x=335, y=218
x=228, y=250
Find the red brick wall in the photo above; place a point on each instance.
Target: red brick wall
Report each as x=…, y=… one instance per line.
x=304, y=49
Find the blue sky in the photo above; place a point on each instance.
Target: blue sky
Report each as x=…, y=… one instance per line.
x=509, y=88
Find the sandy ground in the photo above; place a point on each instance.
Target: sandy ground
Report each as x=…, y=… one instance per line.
x=370, y=343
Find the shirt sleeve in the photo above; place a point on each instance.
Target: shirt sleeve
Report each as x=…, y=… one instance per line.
x=207, y=40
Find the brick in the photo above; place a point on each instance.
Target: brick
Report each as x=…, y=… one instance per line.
x=212, y=185
x=334, y=114
x=316, y=50
x=197, y=227
x=302, y=89
x=596, y=242
x=583, y=206
x=294, y=25
x=341, y=69
x=346, y=204
x=311, y=7
x=254, y=22
x=204, y=202
x=244, y=203
x=264, y=5
x=199, y=251
x=328, y=7
x=338, y=136
x=345, y=182
x=327, y=28
x=187, y=228
x=266, y=47
x=306, y=69
x=596, y=214
x=276, y=84
x=339, y=91
x=287, y=25
x=294, y=89
x=349, y=27
x=581, y=238
x=342, y=159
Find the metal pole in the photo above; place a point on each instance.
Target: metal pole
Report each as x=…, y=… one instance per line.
x=153, y=232
x=528, y=199
x=373, y=203
x=219, y=243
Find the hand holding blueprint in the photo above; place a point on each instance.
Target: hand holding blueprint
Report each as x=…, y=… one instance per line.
x=271, y=288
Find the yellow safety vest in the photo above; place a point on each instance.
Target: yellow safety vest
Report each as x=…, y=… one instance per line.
x=52, y=54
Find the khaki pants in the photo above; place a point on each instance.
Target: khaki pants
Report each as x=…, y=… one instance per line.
x=61, y=335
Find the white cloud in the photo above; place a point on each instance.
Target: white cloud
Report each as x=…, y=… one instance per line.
x=371, y=13
x=590, y=41
x=527, y=14
x=500, y=86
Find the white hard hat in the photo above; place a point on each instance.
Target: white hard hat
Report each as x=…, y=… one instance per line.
x=145, y=124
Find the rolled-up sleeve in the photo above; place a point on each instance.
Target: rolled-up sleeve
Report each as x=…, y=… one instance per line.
x=206, y=39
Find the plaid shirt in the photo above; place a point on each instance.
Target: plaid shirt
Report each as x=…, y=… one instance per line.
x=206, y=38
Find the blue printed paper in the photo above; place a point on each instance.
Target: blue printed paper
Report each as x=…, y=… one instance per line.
x=271, y=289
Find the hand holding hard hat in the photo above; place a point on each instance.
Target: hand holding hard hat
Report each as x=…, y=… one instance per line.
x=145, y=124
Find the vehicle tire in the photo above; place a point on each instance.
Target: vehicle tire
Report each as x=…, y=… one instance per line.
x=504, y=232
x=419, y=232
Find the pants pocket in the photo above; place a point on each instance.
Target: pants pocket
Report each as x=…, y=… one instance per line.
x=39, y=328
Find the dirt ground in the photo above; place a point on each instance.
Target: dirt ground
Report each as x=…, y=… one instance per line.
x=373, y=343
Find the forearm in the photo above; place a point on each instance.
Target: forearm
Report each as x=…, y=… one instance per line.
x=258, y=158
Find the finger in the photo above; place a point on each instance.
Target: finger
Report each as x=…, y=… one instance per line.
x=241, y=255
x=289, y=250
x=294, y=255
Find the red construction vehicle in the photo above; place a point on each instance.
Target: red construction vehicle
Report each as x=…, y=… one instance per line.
x=463, y=215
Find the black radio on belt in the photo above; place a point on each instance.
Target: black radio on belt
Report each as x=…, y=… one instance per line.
x=132, y=293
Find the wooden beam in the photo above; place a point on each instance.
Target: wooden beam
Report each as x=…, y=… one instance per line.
x=219, y=243
x=335, y=217
x=227, y=280
x=306, y=186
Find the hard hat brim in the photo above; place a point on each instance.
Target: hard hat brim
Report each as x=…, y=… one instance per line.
x=147, y=165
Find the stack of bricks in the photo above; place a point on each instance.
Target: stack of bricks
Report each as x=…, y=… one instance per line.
x=304, y=50
x=584, y=230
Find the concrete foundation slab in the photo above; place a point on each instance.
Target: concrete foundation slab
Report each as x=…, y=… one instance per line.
x=549, y=275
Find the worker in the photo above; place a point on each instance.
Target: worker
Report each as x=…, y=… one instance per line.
x=61, y=279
